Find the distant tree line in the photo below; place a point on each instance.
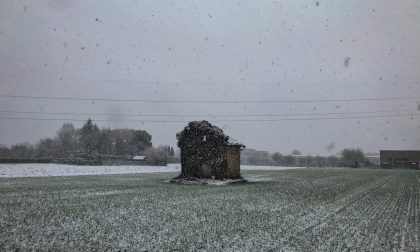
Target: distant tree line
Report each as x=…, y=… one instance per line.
x=89, y=140
x=348, y=157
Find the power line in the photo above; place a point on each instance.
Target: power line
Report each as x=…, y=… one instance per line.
x=208, y=84
x=208, y=101
x=206, y=115
x=227, y=120
x=276, y=83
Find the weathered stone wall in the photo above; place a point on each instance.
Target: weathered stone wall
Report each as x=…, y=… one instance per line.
x=233, y=161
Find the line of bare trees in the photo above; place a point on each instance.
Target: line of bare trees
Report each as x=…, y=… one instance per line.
x=348, y=157
x=89, y=140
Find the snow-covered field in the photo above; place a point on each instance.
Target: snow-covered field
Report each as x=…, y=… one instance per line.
x=42, y=170
x=291, y=210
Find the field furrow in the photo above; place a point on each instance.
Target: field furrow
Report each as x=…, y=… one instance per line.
x=358, y=219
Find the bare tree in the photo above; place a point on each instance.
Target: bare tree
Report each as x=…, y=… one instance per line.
x=46, y=148
x=353, y=157
x=332, y=161
x=277, y=158
x=89, y=135
x=66, y=139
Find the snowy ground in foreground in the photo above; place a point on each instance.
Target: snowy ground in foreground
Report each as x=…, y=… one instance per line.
x=44, y=170
x=298, y=210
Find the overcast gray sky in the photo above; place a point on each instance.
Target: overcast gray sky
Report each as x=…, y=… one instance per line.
x=219, y=51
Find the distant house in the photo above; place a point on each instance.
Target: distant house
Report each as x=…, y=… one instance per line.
x=400, y=159
x=373, y=158
x=139, y=158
